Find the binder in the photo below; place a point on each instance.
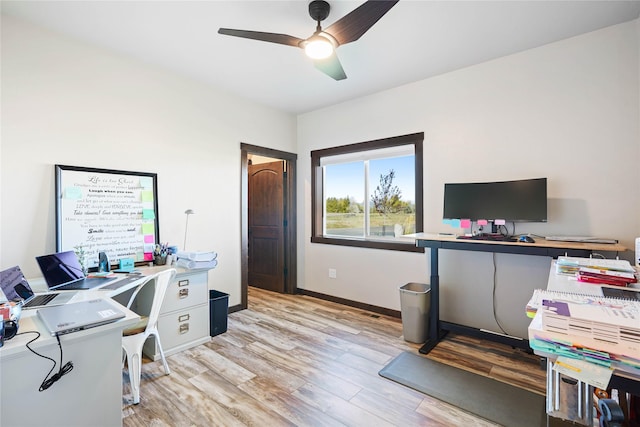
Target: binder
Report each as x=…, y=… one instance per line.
x=604, y=279
x=614, y=294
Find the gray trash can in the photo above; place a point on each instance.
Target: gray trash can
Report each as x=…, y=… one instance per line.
x=415, y=299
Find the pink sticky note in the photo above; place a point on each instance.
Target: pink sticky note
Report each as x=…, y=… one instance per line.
x=148, y=256
x=499, y=222
x=482, y=222
x=149, y=238
x=465, y=223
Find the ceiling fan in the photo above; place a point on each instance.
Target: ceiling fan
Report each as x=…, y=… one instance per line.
x=322, y=44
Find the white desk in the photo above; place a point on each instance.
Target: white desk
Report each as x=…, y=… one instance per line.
x=184, y=315
x=91, y=394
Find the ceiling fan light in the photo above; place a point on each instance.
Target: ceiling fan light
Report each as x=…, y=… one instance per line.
x=318, y=47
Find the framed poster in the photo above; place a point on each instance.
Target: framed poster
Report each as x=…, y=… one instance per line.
x=104, y=210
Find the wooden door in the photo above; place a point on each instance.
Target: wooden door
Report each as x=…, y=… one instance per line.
x=266, y=226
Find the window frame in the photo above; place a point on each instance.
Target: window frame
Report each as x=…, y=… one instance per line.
x=317, y=196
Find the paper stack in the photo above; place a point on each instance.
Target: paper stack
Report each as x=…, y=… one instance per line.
x=599, y=329
x=595, y=270
x=197, y=260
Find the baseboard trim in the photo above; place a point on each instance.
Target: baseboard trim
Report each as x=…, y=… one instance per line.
x=236, y=308
x=350, y=303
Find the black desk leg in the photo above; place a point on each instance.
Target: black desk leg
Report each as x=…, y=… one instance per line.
x=435, y=333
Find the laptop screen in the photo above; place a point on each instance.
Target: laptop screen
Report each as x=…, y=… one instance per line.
x=14, y=285
x=60, y=268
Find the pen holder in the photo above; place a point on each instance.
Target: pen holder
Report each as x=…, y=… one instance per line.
x=160, y=260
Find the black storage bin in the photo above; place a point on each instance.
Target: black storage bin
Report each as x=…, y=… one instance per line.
x=218, y=311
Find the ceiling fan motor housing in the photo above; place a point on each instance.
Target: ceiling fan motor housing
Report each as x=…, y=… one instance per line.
x=319, y=10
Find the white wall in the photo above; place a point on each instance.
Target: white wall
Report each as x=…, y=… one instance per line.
x=567, y=111
x=70, y=103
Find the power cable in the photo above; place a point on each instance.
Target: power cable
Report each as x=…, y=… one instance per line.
x=49, y=379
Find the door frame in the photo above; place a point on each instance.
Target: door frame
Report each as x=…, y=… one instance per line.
x=290, y=238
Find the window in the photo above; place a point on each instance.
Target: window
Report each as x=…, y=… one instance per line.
x=368, y=194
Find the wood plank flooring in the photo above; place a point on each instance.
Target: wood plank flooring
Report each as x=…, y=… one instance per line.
x=293, y=360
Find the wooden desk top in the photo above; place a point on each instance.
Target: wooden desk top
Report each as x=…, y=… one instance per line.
x=539, y=243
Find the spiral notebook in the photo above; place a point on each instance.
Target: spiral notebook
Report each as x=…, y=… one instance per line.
x=630, y=297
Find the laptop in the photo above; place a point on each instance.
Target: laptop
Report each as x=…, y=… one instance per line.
x=16, y=288
x=78, y=316
x=62, y=271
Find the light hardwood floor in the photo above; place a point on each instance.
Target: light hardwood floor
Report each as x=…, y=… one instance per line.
x=300, y=361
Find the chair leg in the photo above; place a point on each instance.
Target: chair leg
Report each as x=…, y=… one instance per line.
x=135, y=367
x=167, y=371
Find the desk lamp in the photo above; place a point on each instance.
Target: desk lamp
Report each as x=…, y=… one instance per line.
x=187, y=212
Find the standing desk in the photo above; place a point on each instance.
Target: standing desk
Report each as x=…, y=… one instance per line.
x=437, y=328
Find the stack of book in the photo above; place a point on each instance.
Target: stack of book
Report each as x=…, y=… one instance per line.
x=600, y=271
x=197, y=260
x=601, y=330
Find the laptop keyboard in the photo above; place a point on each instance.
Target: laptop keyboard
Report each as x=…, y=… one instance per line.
x=40, y=300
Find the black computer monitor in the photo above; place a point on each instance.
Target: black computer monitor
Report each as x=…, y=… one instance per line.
x=512, y=201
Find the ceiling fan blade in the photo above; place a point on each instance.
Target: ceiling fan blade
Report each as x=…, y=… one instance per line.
x=331, y=66
x=353, y=25
x=265, y=37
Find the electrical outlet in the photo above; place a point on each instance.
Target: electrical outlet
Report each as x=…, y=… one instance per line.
x=332, y=273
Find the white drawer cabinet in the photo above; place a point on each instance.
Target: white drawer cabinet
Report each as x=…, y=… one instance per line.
x=181, y=329
x=184, y=317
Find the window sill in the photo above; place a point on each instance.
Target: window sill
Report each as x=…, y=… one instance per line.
x=406, y=244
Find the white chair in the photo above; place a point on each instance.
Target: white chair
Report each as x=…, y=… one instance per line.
x=133, y=338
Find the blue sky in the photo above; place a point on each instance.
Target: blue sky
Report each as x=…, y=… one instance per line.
x=347, y=179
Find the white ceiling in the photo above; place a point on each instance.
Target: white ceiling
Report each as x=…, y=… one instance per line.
x=413, y=41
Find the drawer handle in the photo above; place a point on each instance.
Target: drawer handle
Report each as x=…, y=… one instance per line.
x=184, y=328
x=182, y=283
x=183, y=293
x=183, y=318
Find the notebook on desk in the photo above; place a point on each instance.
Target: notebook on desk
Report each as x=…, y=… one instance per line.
x=78, y=316
x=63, y=271
x=16, y=288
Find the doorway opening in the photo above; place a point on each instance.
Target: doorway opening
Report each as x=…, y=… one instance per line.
x=268, y=220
